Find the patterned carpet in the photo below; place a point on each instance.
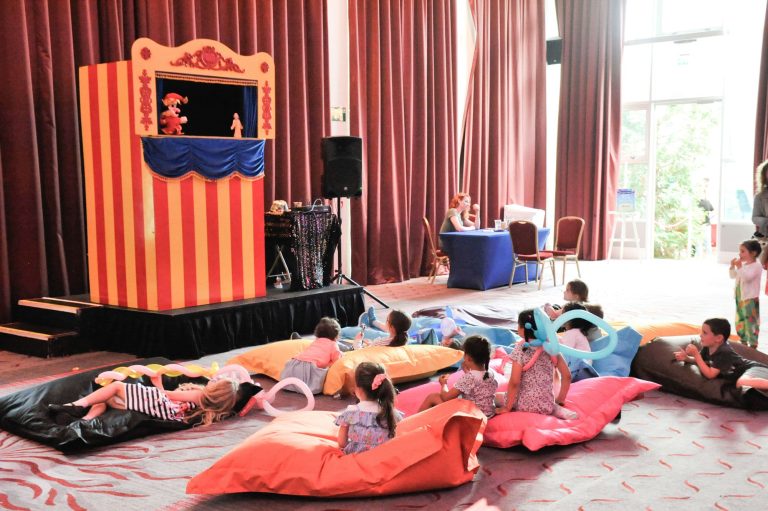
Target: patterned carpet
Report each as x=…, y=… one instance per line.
x=667, y=452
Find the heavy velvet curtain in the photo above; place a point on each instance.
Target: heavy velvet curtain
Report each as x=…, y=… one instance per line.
x=505, y=127
x=402, y=104
x=590, y=117
x=42, y=248
x=761, y=124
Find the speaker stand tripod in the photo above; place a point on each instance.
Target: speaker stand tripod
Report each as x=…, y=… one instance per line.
x=339, y=276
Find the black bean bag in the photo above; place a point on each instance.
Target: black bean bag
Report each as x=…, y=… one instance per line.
x=25, y=413
x=656, y=362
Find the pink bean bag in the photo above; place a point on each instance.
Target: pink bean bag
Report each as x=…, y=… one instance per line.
x=597, y=401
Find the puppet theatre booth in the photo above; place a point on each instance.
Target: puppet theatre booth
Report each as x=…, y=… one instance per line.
x=173, y=149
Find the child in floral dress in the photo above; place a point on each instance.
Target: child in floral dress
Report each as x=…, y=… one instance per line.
x=373, y=420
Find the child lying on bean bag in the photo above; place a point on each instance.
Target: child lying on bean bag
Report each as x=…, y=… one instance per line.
x=707, y=367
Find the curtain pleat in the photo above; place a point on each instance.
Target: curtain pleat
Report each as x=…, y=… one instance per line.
x=505, y=125
x=402, y=104
x=761, y=121
x=590, y=117
x=44, y=43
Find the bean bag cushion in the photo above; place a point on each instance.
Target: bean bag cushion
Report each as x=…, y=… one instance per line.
x=25, y=413
x=269, y=359
x=298, y=454
x=403, y=363
x=619, y=362
x=480, y=315
x=656, y=362
x=650, y=331
x=597, y=400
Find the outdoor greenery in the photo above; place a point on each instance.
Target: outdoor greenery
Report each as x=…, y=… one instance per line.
x=684, y=150
x=686, y=146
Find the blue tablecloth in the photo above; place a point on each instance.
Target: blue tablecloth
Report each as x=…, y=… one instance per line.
x=483, y=259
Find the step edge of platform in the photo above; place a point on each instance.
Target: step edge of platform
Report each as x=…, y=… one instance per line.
x=31, y=334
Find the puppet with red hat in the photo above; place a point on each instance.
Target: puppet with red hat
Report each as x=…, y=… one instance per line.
x=170, y=120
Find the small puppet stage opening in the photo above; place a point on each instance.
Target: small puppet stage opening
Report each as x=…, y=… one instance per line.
x=210, y=107
x=193, y=332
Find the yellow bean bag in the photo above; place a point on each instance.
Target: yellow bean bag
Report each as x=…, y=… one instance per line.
x=269, y=359
x=403, y=363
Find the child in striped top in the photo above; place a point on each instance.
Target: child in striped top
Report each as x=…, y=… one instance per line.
x=210, y=403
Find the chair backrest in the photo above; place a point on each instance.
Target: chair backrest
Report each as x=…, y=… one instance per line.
x=568, y=233
x=428, y=234
x=525, y=237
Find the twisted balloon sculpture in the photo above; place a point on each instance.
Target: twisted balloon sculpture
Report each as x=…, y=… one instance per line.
x=546, y=334
x=262, y=400
x=137, y=371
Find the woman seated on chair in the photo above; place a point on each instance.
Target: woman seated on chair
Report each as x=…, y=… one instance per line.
x=457, y=218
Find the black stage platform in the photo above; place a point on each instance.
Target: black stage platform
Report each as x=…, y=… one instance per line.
x=193, y=332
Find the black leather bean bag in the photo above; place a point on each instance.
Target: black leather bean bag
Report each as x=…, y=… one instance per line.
x=656, y=362
x=25, y=413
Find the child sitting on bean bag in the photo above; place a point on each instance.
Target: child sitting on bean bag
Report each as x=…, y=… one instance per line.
x=476, y=385
x=531, y=385
x=373, y=420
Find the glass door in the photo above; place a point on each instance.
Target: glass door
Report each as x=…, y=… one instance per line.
x=687, y=158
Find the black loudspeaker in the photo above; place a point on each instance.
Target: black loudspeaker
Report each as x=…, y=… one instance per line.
x=342, y=167
x=554, y=51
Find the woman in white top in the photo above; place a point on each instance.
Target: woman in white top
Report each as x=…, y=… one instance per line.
x=747, y=272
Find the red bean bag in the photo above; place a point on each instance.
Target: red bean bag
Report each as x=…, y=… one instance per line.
x=298, y=454
x=597, y=401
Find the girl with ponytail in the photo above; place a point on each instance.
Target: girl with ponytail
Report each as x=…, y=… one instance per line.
x=373, y=420
x=476, y=384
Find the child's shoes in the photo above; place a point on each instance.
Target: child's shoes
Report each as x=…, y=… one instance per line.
x=371, y=316
x=69, y=409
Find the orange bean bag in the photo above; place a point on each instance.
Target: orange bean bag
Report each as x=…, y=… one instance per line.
x=651, y=331
x=298, y=454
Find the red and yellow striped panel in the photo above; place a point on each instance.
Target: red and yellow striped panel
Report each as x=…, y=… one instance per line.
x=160, y=244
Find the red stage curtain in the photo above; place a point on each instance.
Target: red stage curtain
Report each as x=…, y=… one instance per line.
x=761, y=124
x=43, y=244
x=590, y=117
x=402, y=74
x=505, y=127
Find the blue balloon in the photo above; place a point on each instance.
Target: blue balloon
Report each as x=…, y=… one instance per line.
x=546, y=334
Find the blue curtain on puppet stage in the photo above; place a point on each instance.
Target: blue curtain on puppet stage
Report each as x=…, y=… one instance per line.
x=213, y=158
x=250, y=111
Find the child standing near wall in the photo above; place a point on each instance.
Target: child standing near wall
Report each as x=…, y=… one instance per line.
x=747, y=272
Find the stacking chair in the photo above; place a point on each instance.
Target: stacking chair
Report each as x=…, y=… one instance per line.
x=439, y=258
x=568, y=232
x=525, y=246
